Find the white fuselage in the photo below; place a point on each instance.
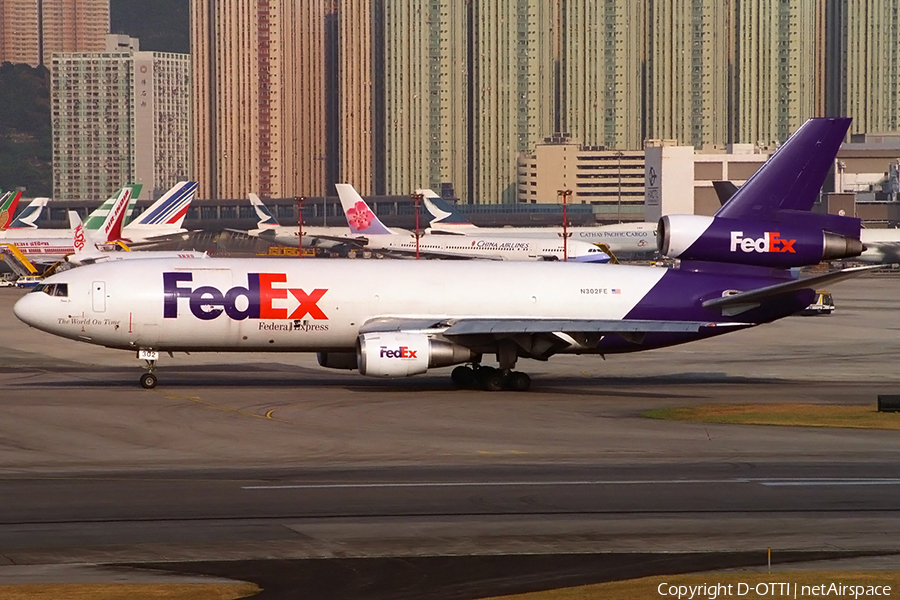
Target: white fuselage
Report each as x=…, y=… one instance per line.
x=487, y=247
x=40, y=245
x=626, y=238
x=313, y=237
x=313, y=305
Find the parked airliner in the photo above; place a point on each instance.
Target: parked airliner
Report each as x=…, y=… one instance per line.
x=373, y=235
x=87, y=252
x=622, y=238
x=399, y=318
x=269, y=229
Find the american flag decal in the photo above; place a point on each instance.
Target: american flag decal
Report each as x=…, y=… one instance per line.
x=616, y=291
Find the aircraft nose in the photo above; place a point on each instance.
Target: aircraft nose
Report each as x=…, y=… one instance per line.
x=26, y=309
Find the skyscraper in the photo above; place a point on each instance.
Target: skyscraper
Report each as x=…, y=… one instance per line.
x=259, y=97
x=33, y=30
x=119, y=117
x=864, y=63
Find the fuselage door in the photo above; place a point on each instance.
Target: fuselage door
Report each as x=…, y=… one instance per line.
x=98, y=293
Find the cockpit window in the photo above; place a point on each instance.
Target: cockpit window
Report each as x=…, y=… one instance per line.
x=60, y=290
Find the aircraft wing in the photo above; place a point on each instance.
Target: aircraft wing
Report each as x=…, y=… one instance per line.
x=752, y=296
x=539, y=338
x=489, y=326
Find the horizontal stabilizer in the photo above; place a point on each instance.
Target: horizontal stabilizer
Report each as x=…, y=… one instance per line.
x=756, y=295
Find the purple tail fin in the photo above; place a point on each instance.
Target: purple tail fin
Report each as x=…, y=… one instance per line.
x=792, y=177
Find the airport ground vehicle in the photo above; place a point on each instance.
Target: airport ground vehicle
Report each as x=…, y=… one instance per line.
x=822, y=305
x=28, y=281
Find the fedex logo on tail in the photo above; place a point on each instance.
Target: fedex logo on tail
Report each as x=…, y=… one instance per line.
x=238, y=303
x=769, y=242
x=401, y=352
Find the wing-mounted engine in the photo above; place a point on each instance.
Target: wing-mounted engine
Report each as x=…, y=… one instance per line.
x=780, y=244
x=400, y=354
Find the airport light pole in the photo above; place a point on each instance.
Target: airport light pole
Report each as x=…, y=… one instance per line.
x=565, y=195
x=417, y=198
x=299, y=200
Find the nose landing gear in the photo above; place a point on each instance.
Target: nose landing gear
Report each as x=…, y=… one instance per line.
x=148, y=379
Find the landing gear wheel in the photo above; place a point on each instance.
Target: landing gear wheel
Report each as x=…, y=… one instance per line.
x=148, y=381
x=463, y=377
x=519, y=382
x=495, y=381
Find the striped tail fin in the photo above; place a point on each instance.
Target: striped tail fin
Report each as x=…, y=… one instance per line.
x=9, y=202
x=95, y=220
x=169, y=211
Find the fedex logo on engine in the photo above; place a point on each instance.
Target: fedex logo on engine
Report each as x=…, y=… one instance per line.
x=252, y=302
x=401, y=352
x=769, y=242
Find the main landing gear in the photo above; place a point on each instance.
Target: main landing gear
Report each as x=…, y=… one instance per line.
x=489, y=378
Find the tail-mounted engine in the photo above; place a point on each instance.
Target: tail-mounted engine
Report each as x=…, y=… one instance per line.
x=397, y=354
x=757, y=243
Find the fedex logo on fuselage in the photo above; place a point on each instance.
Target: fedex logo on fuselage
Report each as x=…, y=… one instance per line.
x=239, y=303
x=401, y=352
x=769, y=242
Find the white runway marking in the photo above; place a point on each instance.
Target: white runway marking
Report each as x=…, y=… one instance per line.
x=769, y=482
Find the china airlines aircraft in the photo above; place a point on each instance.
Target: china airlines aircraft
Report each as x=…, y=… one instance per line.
x=374, y=236
x=87, y=253
x=401, y=318
x=621, y=238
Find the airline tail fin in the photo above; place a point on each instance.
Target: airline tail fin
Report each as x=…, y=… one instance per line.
x=95, y=220
x=9, y=202
x=443, y=213
x=360, y=217
x=793, y=175
x=30, y=214
x=81, y=237
x=111, y=229
x=266, y=218
x=169, y=211
x=724, y=190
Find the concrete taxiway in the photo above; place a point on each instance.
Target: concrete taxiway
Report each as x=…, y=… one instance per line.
x=261, y=456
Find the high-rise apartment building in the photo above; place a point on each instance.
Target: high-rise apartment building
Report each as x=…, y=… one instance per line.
x=779, y=69
x=863, y=63
x=512, y=85
x=119, y=117
x=426, y=96
x=689, y=46
x=601, y=86
x=33, y=30
x=259, y=97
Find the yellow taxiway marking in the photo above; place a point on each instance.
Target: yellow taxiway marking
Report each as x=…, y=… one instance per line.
x=227, y=409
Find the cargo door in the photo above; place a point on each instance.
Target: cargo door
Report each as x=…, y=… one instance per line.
x=98, y=292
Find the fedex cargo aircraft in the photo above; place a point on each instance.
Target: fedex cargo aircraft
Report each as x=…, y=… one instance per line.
x=401, y=318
